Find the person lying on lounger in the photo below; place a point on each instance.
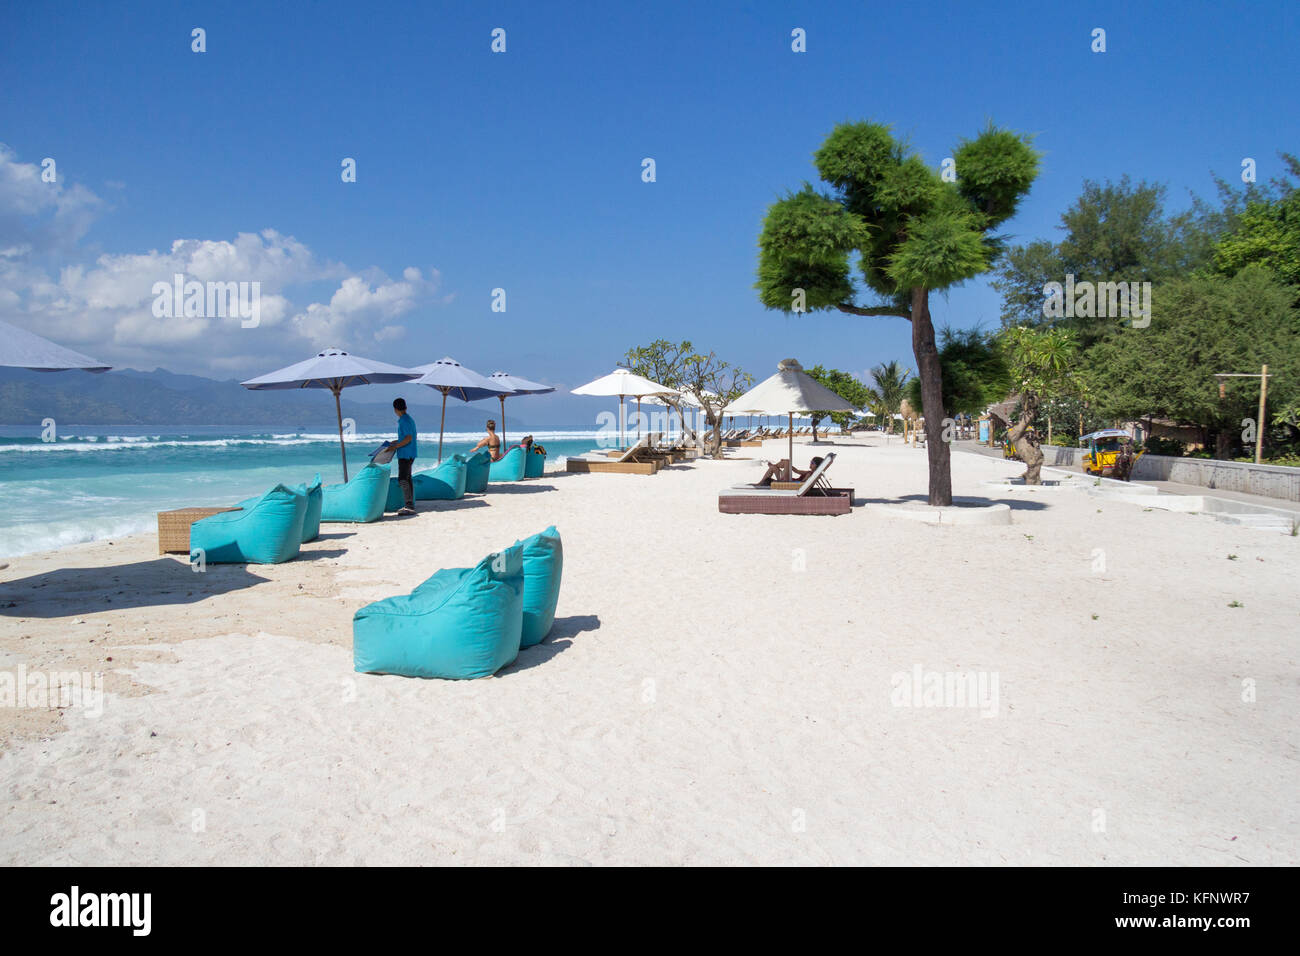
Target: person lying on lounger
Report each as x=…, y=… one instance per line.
x=777, y=471
x=492, y=442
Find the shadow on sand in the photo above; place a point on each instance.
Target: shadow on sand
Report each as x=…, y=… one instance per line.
x=1016, y=504
x=318, y=555
x=427, y=506
x=525, y=487
x=557, y=642
x=67, y=592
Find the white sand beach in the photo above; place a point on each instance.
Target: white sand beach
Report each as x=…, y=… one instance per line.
x=717, y=689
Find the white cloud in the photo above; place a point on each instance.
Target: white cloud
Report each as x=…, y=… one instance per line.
x=105, y=306
x=358, y=301
x=42, y=216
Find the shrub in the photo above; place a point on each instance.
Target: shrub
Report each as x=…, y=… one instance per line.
x=1171, y=447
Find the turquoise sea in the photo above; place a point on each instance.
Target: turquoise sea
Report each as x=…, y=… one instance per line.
x=104, y=482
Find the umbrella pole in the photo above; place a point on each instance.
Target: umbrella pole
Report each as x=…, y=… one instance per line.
x=789, y=433
x=621, y=440
x=441, y=423
x=503, y=417
x=638, y=418
x=338, y=411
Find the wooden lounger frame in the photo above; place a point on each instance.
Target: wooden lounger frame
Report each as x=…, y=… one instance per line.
x=814, y=496
x=838, y=502
x=587, y=466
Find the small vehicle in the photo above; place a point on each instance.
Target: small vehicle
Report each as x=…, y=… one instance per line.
x=1009, y=450
x=1110, y=453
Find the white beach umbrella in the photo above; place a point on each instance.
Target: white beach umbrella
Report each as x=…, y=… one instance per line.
x=791, y=390
x=624, y=383
x=514, y=385
x=451, y=378
x=22, y=349
x=336, y=370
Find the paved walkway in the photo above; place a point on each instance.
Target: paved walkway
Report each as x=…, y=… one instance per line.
x=1164, y=487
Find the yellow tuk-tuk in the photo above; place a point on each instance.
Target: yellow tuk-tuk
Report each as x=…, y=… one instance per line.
x=1110, y=453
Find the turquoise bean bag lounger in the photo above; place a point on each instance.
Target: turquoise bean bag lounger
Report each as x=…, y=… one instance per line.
x=361, y=499
x=511, y=467
x=444, y=483
x=477, y=467
x=315, y=497
x=536, y=464
x=311, y=520
x=460, y=624
x=543, y=566
x=267, y=531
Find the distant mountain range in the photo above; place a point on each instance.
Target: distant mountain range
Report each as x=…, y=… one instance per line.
x=160, y=398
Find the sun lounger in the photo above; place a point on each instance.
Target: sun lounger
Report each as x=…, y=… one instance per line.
x=637, y=460
x=752, y=439
x=813, y=497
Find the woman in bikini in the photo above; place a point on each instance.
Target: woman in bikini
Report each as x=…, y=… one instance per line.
x=492, y=442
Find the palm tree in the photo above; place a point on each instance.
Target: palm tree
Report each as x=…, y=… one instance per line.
x=891, y=381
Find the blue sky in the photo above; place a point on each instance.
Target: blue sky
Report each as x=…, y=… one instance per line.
x=522, y=170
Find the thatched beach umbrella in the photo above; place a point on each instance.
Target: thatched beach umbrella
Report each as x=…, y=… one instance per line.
x=336, y=370
x=790, y=391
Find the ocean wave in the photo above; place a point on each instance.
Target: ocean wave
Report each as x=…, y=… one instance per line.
x=47, y=535
x=92, y=444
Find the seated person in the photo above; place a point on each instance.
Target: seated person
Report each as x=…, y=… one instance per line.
x=525, y=443
x=778, y=471
x=492, y=442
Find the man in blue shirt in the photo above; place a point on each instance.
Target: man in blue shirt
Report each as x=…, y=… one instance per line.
x=405, y=449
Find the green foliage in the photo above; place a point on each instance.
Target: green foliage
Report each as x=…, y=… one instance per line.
x=975, y=373
x=1041, y=361
x=1064, y=412
x=1200, y=326
x=1114, y=232
x=1169, y=447
x=805, y=245
x=711, y=381
x=661, y=361
x=909, y=228
x=890, y=389
x=942, y=249
x=1225, y=281
x=1266, y=233
x=848, y=387
x=994, y=172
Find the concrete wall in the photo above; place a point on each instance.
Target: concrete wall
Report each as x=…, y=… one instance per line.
x=1274, y=481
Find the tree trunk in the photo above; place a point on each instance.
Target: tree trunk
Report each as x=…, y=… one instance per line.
x=1025, y=442
x=1223, y=445
x=713, y=443
x=927, y=364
